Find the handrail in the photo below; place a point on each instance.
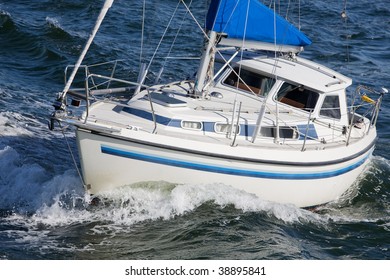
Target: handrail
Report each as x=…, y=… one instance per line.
x=139, y=85
x=117, y=80
x=236, y=128
x=89, y=92
x=306, y=132
x=86, y=95
x=375, y=113
x=152, y=109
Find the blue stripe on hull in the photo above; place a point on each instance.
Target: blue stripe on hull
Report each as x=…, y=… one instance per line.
x=228, y=170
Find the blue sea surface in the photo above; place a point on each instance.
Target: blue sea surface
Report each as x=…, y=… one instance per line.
x=44, y=212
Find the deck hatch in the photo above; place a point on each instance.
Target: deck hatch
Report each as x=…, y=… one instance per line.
x=166, y=100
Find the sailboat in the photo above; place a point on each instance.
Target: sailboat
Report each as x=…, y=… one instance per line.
x=267, y=121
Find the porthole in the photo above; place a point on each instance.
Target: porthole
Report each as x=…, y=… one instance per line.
x=192, y=125
x=224, y=128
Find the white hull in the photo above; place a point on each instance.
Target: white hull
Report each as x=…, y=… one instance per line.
x=109, y=162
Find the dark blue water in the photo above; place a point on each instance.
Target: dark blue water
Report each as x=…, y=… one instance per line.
x=44, y=213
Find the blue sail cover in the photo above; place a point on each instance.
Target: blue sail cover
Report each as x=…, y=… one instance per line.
x=229, y=17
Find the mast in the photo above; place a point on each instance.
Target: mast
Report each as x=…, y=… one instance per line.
x=206, y=66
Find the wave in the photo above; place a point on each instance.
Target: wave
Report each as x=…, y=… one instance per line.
x=26, y=50
x=53, y=22
x=24, y=125
x=30, y=163
x=194, y=212
x=56, y=30
x=6, y=21
x=367, y=201
x=27, y=187
x=13, y=124
x=127, y=205
x=148, y=202
x=36, y=48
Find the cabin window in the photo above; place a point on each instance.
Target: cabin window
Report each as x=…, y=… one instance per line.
x=286, y=132
x=224, y=128
x=297, y=96
x=249, y=81
x=191, y=125
x=331, y=107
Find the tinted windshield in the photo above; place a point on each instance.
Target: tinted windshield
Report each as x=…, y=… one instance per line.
x=249, y=81
x=297, y=96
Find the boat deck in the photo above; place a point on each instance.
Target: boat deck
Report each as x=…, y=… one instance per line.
x=114, y=116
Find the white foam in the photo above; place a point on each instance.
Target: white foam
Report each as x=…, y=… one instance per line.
x=131, y=205
x=4, y=13
x=13, y=124
x=59, y=203
x=25, y=187
x=53, y=22
x=383, y=162
x=188, y=197
x=347, y=210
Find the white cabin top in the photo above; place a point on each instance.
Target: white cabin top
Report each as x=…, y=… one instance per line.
x=296, y=70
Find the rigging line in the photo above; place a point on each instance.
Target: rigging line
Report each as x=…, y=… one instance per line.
x=345, y=17
x=201, y=28
x=231, y=15
x=72, y=155
x=275, y=43
x=274, y=73
x=196, y=21
x=243, y=40
x=142, y=32
x=177, y=34
x=239, y=69
x=287, y=10
x=162, y=38
x=299, y=15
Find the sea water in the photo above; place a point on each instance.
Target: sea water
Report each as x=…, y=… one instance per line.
x=44, y=212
